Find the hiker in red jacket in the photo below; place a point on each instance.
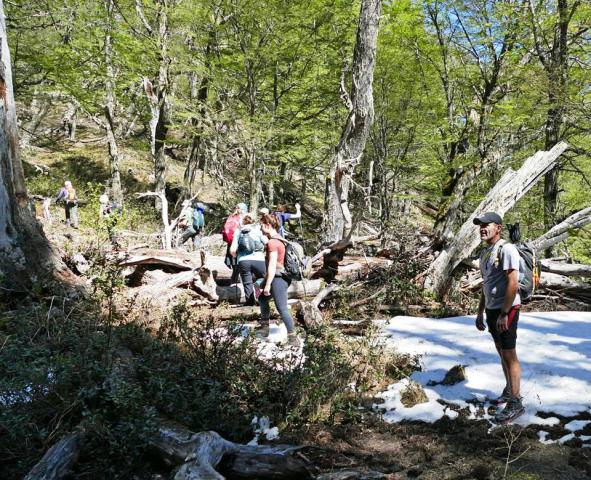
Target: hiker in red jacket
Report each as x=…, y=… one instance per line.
x=232, y=225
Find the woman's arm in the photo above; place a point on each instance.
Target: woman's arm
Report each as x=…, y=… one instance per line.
x=234, y=246
x=298, y=213
x=271, y=269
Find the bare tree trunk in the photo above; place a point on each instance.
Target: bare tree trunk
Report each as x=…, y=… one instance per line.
x=254, y=179
x=38, y=110
x=25, y=253
x=337, y=222
x=553, y=55
x=510, y=188
x=69, y=121
x=114, y=157
x=158, y=99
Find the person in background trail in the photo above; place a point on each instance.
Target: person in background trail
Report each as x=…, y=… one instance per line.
x=68, y=195
x=248, y=246
x=275, y=283
x=193, y=221
x=284, y=216
x=107, y=207
x=500, y=300
x=232, y=224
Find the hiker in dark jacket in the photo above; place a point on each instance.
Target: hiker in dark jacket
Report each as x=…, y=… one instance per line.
x=283, y=216
x=248, y=246
x=70, y=199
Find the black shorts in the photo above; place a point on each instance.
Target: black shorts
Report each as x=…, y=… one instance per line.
x=506, y=339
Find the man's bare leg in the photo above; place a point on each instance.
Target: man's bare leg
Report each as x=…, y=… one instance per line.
x=504, y=365
x=513, y=370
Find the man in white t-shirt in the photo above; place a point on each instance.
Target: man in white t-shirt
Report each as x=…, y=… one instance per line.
x=500, y=300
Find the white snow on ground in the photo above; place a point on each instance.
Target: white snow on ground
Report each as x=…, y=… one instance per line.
x=555, y=353
x=262, y=426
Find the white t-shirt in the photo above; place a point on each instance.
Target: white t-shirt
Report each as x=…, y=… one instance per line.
x=494, y=266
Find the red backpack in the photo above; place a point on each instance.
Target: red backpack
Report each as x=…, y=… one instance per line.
x=231, y=224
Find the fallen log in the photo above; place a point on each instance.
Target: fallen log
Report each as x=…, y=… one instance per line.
x=568, y=269
x=561, y=232
x=177, y=259
x=198, y=455
x=309, y=312
x=58, y=460
x=235, y=293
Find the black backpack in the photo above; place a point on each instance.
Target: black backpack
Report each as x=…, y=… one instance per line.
x=294, y=264
x=530, y=266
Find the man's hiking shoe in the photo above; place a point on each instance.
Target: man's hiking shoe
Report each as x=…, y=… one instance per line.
x=293, y=340
x=512, y=410
x=503, y=398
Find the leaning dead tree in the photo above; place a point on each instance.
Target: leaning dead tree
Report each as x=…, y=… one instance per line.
x=337, y=222
x=561, y=232
x=508, y=190
x=25, y=253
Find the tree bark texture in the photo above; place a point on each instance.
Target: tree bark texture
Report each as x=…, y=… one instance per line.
x=561, y=232
x=198, y=455
x=158, y=98
x=510, y=188
x=553, y=55
x=111, y=101
x=25, y=253
x=58, y=460
x=337, y=222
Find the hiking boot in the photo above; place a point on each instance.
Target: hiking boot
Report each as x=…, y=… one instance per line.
x=503, y=398
x=293, y=340
x=262, y=330
x=512, y=410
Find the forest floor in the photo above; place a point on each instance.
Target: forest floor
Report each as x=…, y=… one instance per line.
x=359, y=438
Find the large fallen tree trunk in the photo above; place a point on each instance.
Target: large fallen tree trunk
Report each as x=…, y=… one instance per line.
x=510, y=188
x=567, y=269
x=198, y=455
x=235, y=293
x=335, y=266
x=561, y=232
x=58, y=460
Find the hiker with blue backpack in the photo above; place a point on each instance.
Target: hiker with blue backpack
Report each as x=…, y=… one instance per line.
x=248, y=247
x=508, y=273
x=277, y=280
x=194, y=221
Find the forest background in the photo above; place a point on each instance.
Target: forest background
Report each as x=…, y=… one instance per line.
x=252, y=94
x=247, y=101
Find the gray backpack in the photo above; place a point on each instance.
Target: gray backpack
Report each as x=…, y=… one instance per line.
x=248, y=242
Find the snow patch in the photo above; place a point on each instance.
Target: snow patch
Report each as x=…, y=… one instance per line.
x=555, y=353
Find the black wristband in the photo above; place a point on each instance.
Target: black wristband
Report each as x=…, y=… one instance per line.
x=504, y=313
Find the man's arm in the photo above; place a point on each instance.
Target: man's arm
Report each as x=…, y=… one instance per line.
x=480, y=315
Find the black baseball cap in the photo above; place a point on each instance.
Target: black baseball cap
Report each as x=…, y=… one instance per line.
x=489, y=217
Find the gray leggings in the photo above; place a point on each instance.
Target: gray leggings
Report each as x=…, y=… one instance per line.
x=279, y=288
